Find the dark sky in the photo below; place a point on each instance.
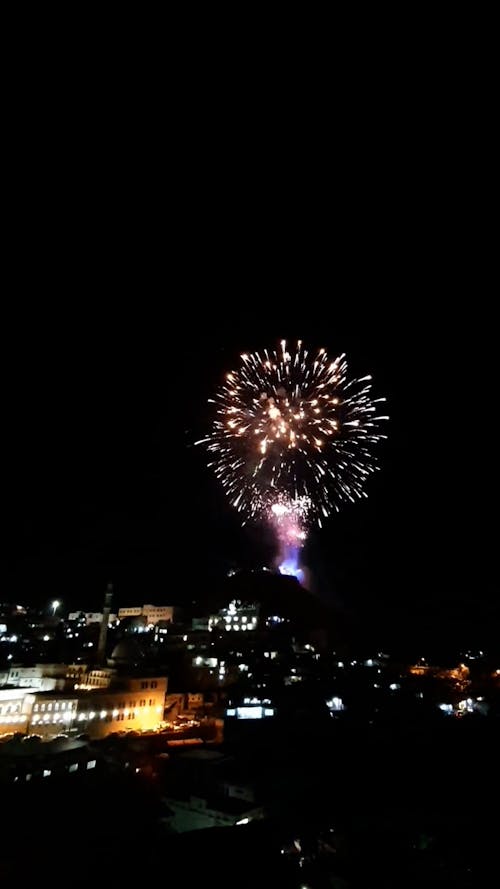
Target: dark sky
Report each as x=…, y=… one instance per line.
x=102, y=482
x=132, y=287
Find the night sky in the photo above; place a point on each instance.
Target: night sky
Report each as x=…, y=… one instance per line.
x=102, y=481
x=127, y=304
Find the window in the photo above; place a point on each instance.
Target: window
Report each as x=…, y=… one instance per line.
x=151, y=702
x=91, y=764
x=73, y=767
x=46, y=773
x=142, y=703
x=154, y=684
x=120, y=717
x=144, y=684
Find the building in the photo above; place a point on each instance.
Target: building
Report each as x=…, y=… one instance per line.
x=42, y=677
x=205, y=792
x=94, y=702
x=89, y=617
x=128, y=704
x=237, y=617
x=197, y=812
x=153, y=613
x=25, y=762
x=15, y=710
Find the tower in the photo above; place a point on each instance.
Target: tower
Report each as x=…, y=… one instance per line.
x=103, y=632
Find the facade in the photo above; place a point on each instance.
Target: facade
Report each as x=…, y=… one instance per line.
x=138, y=705
x=89, y=617
x=197, y=813
x=235, y=618
x=35, y=677
x=153, y=613
x=98, y=678
x=15, y=710
x=92, y=702
x=22, y=763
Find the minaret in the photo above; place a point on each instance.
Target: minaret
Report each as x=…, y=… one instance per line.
x=103, y=632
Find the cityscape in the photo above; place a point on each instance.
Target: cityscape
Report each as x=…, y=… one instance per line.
x=207, y=720
x=274, y=670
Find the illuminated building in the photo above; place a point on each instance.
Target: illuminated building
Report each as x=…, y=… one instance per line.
x=15, y=710
x=134, y=704
x=152, y=613
x=42, y=677
x=95, y=702
x=235, y=618
x=89, y=617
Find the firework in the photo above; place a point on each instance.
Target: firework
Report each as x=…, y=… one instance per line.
x=293, y=437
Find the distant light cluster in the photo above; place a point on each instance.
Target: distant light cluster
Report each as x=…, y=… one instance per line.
x=292, y=437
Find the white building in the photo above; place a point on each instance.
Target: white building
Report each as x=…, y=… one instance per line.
x=90, y=617
x=235, y=618
x=92, y=702
x=42, y=677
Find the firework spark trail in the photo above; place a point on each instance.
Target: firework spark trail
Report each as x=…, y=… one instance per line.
x=292, y=437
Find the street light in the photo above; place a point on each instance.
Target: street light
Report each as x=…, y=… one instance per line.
x=55, y=605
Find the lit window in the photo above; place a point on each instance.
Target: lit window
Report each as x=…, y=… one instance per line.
x=73, y=767
x=46, y=773
x=103, y=714
x=91, y=764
